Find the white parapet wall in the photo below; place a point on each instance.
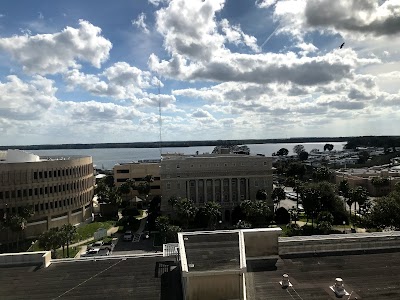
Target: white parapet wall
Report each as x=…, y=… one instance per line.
x=335, y=243
x=261, y=242
x=40, y=258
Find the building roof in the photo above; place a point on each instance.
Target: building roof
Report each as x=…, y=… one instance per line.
x=368, y=276
x=134, y=278
x=212, y=252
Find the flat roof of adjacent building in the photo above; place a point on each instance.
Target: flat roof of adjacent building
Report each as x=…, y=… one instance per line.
x=368, y=276
x=133, y=278
x=212, y=252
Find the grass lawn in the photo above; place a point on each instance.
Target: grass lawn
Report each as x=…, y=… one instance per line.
x=87, y=231
x=72, y=252
x=143, y=214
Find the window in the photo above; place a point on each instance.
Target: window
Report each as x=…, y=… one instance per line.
x=225, y=164
x=123, y=171
x=36, y=207
x=40, y=175
x=47, y=206
x=30, y=192
x=168, y=186
x=51, y=205
x=41, y=206
x=178, y=186
x=255, y=183
x=35, y=175
x=45, y=174
x=178, y=166
x=265, y=163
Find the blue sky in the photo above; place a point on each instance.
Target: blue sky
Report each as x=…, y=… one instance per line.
x=90, y=71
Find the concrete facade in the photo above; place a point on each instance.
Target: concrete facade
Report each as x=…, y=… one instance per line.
x=226, y=179
x=137, y=171
x=59, y=189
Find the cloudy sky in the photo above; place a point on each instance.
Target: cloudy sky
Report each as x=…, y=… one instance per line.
x=97, y=70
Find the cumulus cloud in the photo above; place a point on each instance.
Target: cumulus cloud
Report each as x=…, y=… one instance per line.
x=140, y=23
x=201, y=113
x=361, y=16
x=57, y=52
x=265, y=3
x=235, y=35
x=30, y=100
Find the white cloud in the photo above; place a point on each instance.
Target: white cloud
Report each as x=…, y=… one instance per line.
x=235, y=35
x=158, y=2
x=201, y=113
x=140, y=23
x=265, y=3
x=56, y=53
x=21, y=100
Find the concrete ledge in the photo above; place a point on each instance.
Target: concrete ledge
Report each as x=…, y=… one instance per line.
x=40, y=258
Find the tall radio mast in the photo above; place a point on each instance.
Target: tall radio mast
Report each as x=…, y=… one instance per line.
x=159, y=118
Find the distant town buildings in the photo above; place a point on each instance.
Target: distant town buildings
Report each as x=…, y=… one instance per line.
x=58, y=189
x=378, y=180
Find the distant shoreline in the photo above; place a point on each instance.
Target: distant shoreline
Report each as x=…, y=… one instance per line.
x=171, y=144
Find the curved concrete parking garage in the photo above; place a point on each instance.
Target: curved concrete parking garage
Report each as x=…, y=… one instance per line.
x=59, y=189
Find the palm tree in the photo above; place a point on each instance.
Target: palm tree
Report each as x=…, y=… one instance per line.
x=358, y=195
x=213, y=211
x=186, y=210
x=278, y=194
x=69, y=232
x=51, y=240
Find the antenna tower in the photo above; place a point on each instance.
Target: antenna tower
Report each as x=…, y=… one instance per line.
x=160, y=119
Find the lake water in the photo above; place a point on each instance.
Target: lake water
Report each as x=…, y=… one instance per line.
x=108, y=157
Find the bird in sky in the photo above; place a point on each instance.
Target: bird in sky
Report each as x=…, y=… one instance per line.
x=341, y=46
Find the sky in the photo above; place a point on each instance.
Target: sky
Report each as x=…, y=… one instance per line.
x=97, y=71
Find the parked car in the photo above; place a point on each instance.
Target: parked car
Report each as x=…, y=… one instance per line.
x=128, y=236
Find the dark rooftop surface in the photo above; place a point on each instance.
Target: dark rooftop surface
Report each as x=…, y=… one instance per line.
x=368, y=276
x=135, y=278
x=208, y=252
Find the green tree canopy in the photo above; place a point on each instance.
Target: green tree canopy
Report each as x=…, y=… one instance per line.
x=303, y=155
x=282, y=152
x=257, y=212
x=298, y=149
x=212, y=210
x=328, y=147
x=186, y=210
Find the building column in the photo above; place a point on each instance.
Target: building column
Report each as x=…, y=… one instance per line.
x=187, y=189
x=205, y=190
x=238, y=189
x=221, y=181
x=197, y=190
x=213, y=189
x=230, y=190
x=247, y=188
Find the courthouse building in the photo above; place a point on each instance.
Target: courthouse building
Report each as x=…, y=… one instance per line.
x=59, y=189
x=224, y=178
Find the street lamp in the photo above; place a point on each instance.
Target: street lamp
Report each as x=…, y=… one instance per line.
x=344, y=224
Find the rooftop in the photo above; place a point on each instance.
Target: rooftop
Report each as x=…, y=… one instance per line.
x=212, y=252
x=368, y=276
x=145, y=278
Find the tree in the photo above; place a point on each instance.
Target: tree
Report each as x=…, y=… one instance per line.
x=162, y=223
x=257, y=212
x=17, y=222
x=173, y=201
x=282, y=216
x=385, y=213
x=282, y=152
x=296, y=169
x=212, y=210
x=325, y=221
x=186, y=210
x=261, y=195
x=322, y=174
x=344, y=188
x=278, y=194
x=298, y=149
x=328, y=147
x=51, y=240
x=303, y=155
x=68, y=232
x=363, y=156
x=359, y=196
x=311, y=202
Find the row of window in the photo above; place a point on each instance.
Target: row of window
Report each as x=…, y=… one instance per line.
x=72, y=171
x=48, y=190
x=178, y=166
x=136, y=179
x=65, y=203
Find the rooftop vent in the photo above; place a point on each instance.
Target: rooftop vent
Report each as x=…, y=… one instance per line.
x=338, y=288
x=285, y=282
